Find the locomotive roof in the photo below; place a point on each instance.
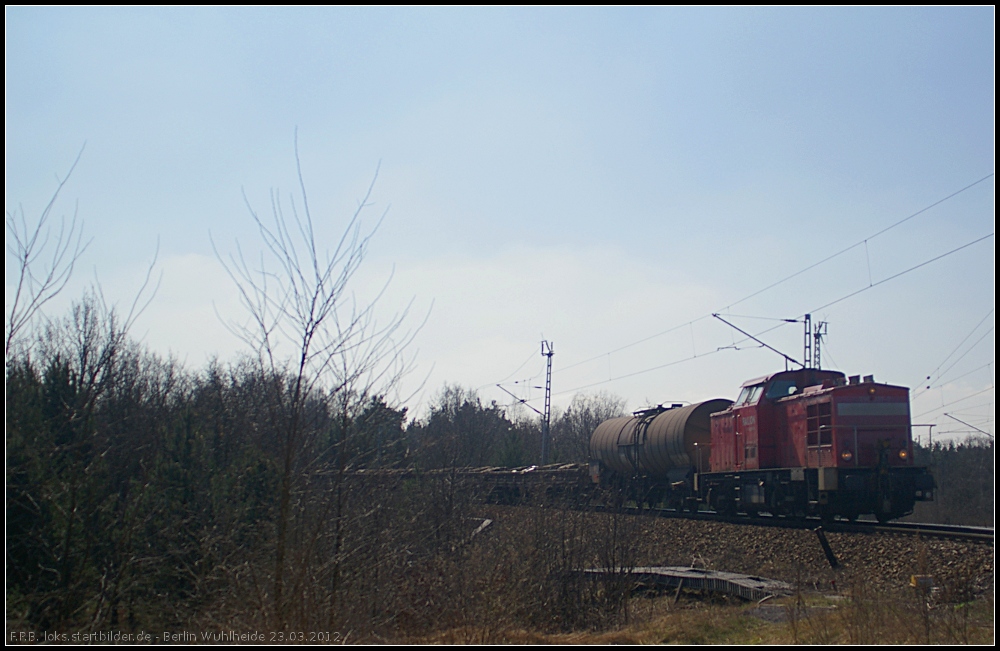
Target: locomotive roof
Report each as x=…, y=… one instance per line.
x=767, y=378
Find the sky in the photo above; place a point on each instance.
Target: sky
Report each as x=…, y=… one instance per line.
x=602, y=179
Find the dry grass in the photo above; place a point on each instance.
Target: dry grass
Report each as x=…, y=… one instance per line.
x=814, y=619
x=681, y=624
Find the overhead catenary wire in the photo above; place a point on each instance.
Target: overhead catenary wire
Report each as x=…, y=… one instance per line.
x=981, y=431
x=959, y=377
x=972, y=413
x=690, y=323
x=937, y=374
x=762, y=318
x=950, y=432
x=904, y=272
x=671, y=363
x=954, y=402
x=789, y=277
x=863, y=241
x=930, y=377
x=523, y=364
x=628, y=375
x=961, y=357
x=635, y=343
x=784, y=322
x=516, y=371
x=966, y=409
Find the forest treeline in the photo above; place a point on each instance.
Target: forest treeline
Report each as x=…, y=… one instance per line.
x=964, y=472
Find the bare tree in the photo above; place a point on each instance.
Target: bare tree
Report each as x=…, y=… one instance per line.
x=572, y=430
x=44, y=261
x=308, y=330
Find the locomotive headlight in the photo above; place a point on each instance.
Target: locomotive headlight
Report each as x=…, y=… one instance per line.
x=903, y=454
x=846, y=455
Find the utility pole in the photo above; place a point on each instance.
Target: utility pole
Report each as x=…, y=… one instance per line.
x=547, y=351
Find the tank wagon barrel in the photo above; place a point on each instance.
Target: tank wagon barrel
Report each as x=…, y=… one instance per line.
x=662, y=442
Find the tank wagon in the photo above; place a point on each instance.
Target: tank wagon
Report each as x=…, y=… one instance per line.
x=808, y=442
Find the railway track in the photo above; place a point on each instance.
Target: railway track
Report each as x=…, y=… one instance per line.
x=571, y=482
x=942, y=531
x=963, y=533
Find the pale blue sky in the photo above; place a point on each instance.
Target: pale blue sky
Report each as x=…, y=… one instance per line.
x=593, y=176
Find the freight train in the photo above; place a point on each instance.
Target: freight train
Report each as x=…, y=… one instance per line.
x=797, y=443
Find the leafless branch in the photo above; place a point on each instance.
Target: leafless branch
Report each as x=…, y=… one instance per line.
x=143, y=297
x=44, y=260
x=297, y=298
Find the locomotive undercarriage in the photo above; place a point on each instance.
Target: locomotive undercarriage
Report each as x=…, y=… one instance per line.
x=793, y=492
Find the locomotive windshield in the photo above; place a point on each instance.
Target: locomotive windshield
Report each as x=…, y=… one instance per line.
x=750, y=395
x=777, y=389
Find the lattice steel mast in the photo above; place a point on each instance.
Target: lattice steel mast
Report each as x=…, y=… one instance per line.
x=547, y=351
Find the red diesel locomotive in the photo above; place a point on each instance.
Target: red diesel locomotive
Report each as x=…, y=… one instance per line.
x=808, y=442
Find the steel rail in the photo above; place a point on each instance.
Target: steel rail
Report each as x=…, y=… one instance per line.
x=961, y=533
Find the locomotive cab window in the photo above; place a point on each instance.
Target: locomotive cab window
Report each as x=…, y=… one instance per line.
x=781, y=389
x=750, y=395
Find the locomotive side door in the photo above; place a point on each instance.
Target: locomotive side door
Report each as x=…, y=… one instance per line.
x=745, y=427
x=738, y=440
x=723, y=449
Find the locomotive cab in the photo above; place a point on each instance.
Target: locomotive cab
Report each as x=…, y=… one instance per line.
x=751, y=434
